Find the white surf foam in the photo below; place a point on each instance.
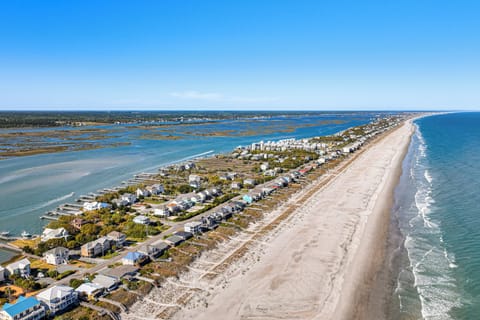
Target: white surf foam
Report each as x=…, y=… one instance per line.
x=428, y=177
x=430, y=261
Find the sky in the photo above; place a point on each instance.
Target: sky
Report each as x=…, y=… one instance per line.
x=239, y=55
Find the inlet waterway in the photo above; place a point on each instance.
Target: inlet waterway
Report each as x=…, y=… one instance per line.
x=32, y=185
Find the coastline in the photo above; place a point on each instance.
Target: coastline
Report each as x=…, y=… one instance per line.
x=281, y=277
x=371, y=274
x=89, y=171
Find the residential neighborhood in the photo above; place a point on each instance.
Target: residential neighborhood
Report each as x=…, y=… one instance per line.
x=128, y=239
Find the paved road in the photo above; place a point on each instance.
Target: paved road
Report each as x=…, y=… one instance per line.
x=175, y=226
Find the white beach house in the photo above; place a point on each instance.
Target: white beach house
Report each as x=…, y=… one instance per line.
x=19, y=268
x=58, y=298
x=56, y=256
x=59, y=233
x=193, y=227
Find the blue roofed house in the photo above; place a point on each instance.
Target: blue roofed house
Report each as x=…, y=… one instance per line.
x=133, y=258
x=248, y=198
x=24, y=309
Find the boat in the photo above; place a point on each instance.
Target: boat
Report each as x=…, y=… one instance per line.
x=26, y=235
x=4, y=233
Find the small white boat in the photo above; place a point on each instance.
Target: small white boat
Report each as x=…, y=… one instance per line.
x=4, y=233
x=26, y=235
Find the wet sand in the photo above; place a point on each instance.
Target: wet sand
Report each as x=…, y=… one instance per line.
x=320, y=263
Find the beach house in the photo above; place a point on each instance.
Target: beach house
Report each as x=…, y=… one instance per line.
x=156, y=189
x=106, y=282
x=154, y=250
x=94, y=205
x=183, y=234
x=190, y=166
x=58, y=298
x=195, y=198
x=24, y=309
x=56, y=256
x=194, y=181
x=264, y=166
x=236, y=185
x=90, y=290
x=133, y=258
x=20, y=268
x=142, y=192
x=249, y=182
x=96, y=248
x=129, y=198
x=248, y=198
x=142, y=220
x=117, y=238
x=202, y=196
x=77, y=223
x=161, y=212
x=193, y=227
x=59, y=233
x=174, y=240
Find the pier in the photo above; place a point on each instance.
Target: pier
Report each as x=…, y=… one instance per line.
x=48, y=217
x=7, y=238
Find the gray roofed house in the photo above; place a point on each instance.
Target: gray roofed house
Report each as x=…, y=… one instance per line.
x=174, y=240
x=96, y=247
x=107, y=282
x=117, y=237
x=249, y=182
x=120, y=272
x=184, y=235
x=154, y=250
x=20, y=268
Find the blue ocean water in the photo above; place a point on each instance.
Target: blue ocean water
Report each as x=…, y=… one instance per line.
x=438, y=212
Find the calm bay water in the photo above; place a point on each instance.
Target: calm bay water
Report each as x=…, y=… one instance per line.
x=437, y=206
x=33, y=185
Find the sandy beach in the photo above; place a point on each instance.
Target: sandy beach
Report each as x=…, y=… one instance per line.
x=318, y=263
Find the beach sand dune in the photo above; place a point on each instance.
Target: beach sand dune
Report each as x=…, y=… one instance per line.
x=320, y=262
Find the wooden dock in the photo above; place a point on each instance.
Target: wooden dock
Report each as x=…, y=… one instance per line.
x=47, y=217
x=6, y=246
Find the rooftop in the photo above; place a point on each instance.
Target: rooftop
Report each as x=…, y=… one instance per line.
x=55, y=292
x=88, y=288
x=19, y=264
x=20, y=306
x=134, y=256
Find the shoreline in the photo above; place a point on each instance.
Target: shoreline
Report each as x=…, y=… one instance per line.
x=372, y=296
x=33, y=211
x=274, y=280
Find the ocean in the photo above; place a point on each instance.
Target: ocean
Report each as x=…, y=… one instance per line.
x=438, y=215
x=32, y=185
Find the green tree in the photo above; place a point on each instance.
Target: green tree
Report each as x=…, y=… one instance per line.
x=75, y=283
x=90, y=229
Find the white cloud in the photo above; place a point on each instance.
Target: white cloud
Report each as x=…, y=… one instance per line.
x=192, y=94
